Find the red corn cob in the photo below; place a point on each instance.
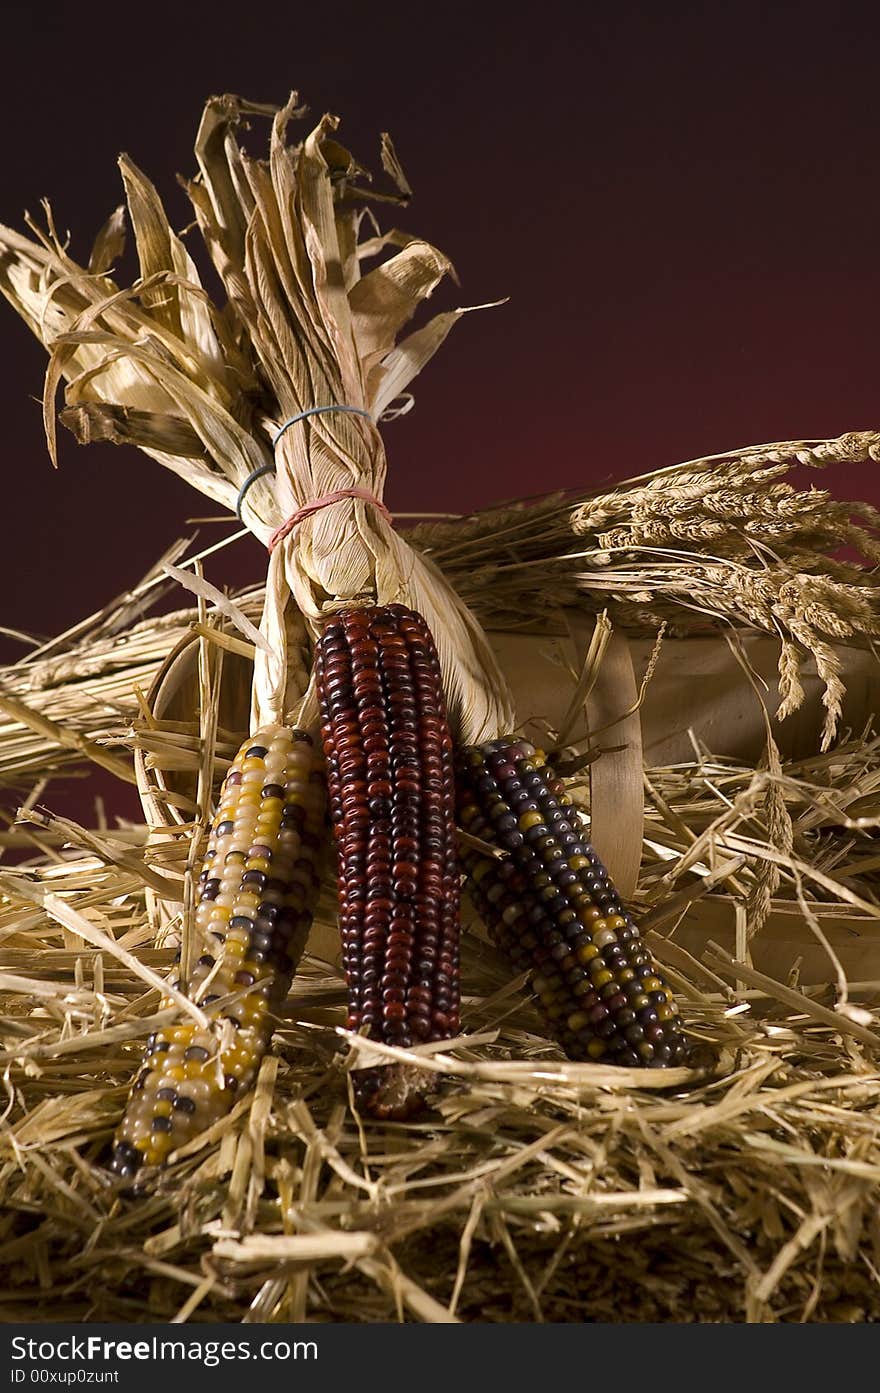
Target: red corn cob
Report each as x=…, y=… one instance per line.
x=392, y=803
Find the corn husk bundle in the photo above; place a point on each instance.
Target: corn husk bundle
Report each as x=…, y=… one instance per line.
x=600, y=1198
x=204, y=388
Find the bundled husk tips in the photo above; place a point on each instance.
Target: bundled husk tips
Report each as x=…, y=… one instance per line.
x=691, y=646
x=203, y=390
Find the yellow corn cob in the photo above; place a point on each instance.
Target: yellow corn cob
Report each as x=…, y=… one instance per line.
x=258, y=889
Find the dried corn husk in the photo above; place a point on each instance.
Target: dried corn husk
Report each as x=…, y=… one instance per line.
x=203, y=389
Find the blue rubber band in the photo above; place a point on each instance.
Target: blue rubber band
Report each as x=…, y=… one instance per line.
x=317, y=411
x=252, y=478
x=265, y=469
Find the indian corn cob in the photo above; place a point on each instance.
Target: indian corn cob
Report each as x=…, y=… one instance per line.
x=258, y=888
x=550, y=906
x=390, y=781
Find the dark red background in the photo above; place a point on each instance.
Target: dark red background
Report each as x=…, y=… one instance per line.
x=681, y=202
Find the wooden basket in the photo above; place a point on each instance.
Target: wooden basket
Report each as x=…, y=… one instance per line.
x=721, y=712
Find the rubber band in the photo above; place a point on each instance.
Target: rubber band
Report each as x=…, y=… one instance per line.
x=269, y=468
x=317, y=411
x=337, y=496
x=252, y=478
